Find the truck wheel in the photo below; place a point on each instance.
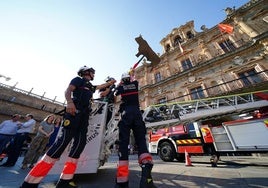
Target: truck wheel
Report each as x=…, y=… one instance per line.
x=166, y=152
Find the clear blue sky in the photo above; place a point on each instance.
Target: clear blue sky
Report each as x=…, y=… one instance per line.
x=43, y=43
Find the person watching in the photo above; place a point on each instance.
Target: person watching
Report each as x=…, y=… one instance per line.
x=21, y=136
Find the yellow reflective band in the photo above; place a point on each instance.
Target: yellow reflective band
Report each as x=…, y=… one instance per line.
x=189, y=141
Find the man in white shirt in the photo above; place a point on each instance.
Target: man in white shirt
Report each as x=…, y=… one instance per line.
x=22, y=134
x=8, y=130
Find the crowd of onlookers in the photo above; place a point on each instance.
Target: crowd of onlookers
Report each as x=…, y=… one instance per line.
x=17, y=136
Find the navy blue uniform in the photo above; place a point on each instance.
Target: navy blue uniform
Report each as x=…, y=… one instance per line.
x=75, y=127
x=131, y=118
x=110, y=99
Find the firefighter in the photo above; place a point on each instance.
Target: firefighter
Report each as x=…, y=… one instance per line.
x=131, y=118
x=75, y=125
x=257, y=114
x=107, y=95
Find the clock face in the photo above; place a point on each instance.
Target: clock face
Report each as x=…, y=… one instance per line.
x=191, y=79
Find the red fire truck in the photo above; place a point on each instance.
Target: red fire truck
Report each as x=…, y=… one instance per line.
x=241, y=131
x=235, y=136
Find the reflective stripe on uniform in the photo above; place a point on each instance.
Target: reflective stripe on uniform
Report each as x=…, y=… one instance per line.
x=69, y=168
x=122, y=171
x=145, y=158
x=130, y=93
x=41, y=169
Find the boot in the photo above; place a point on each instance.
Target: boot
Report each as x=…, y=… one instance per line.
x=146, y=177
x=214, y=160
x=121, y=185
x=29, y=185
x=66, y=184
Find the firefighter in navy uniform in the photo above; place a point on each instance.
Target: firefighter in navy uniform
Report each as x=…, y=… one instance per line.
x=107, y=95
x=131, y=118
x=75, y=125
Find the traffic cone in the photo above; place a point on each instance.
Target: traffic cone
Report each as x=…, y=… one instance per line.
x=187, y=159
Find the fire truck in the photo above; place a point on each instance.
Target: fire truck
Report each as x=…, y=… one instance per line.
x=228, y=124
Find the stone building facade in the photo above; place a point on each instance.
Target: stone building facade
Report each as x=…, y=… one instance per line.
x=212, y=62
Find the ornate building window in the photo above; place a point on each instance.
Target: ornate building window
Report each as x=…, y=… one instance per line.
x=157, y=77
x=186, y=64
x=167, y=48
x=190, y=35
x=227, y=45
x=177, y=40
x=250, y=77
x=197, y=93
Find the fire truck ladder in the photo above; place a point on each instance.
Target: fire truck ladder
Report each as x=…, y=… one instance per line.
x=164, y=115
x=111, y=133
x=222, y=141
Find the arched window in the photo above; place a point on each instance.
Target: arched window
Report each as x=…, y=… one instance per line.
x=177, y=40
x=167, y=48
x=190, y=35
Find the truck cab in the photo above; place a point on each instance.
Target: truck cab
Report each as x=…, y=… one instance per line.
x=172, y=142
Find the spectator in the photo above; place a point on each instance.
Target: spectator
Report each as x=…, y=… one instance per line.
x=21, y=136
x=8, y=130
x=53, y=136
x=39, y=142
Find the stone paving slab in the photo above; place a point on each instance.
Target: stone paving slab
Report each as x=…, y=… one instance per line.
x=233, y=171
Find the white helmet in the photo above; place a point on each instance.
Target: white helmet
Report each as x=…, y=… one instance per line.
x=125, y=75
x=85, y=68
x=108, y=79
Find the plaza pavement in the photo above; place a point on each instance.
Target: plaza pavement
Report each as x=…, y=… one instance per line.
x=232, y=171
